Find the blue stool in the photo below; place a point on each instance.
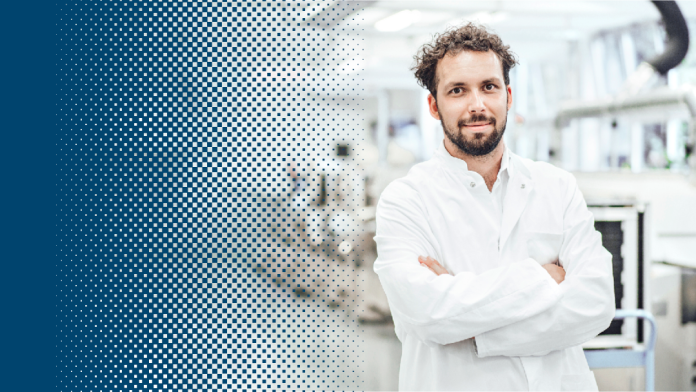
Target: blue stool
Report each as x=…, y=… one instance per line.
x=614, y=358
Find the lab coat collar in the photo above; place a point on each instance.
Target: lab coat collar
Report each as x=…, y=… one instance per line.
x=519, y=186
x=510, y=162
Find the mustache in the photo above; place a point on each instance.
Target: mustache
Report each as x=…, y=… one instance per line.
x=476, y=118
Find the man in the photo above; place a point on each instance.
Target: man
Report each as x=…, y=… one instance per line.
x=493, y=269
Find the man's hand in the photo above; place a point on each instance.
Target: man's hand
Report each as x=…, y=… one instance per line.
x=556, y=271
x=432, y=265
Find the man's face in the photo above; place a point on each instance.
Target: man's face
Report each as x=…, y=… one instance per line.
x=472, y=101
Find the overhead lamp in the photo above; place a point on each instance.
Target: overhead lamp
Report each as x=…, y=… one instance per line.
x=398, y=21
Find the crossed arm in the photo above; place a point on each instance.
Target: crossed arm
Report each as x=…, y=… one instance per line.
x=555, y=270
x=515, y=310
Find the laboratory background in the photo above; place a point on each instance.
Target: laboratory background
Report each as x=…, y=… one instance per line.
x=605, y=90
x=196, y=183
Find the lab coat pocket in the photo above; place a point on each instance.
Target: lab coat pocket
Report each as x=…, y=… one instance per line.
x=544, y=247
x=579, y=382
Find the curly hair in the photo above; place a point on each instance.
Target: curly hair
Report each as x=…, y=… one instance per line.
x=453, y=41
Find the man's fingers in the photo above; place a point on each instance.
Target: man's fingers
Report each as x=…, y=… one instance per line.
x=556, y=272
x=437, y=267
x=428, y=261
x=432, y=265
x=424, y=262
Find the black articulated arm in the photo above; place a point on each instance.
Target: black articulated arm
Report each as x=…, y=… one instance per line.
x=677, y=37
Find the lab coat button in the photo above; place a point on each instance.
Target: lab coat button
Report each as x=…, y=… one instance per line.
x=473, y=184
x=522, y=186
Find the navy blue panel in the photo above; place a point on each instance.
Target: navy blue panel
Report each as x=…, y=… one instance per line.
x=27, y=140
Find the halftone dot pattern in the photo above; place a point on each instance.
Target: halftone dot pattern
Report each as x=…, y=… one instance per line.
x=210, y=193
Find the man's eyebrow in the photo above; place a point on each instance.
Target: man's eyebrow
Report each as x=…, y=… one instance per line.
x=491, y=80
x=485, y=81
x=455, y=84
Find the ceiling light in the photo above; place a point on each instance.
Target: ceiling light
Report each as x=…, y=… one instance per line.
x=398, y=21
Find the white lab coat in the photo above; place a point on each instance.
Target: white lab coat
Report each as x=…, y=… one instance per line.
x=527, y=328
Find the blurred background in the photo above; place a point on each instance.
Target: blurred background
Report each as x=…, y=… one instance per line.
x=581, y=101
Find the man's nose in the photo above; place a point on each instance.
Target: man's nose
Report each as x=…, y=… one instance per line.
x=476, y=102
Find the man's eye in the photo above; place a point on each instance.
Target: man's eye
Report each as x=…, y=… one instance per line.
x=456, y=90
x=490, y=87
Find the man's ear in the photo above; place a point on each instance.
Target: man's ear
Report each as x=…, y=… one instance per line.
x=432, y=106
x=509, y=97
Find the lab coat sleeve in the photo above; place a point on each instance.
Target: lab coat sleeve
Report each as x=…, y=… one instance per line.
x=587, y=304
x=446, y=309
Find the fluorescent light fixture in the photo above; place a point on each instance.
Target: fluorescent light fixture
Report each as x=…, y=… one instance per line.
x=370, y=15
x=398, y=21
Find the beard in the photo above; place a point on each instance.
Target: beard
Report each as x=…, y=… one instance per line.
x=480, y=144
